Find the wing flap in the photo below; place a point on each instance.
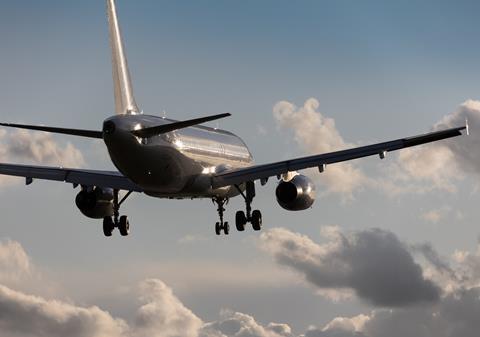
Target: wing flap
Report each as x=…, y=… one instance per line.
x=269, y=170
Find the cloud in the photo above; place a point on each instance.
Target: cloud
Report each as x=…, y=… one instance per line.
x=341, y=327
x=433, y=216
x=160, y=312
x=163, y=315
x=190, y=239
x=25, y=315
x=465, y=149
x=314, y=134
x=455, y=315
x=441, y=164
x=235, y=324
x=14, y=262
x=374, y=264
x=419, y=169
x=36, y=148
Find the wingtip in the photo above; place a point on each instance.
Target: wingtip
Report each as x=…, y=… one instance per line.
x=467, y=128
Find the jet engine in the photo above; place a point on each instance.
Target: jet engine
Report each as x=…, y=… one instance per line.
x=297, y=194
x=96, y=203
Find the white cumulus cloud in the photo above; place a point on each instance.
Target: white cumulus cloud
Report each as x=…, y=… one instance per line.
x=420, y=169
x=36, y=148
x=314, y=134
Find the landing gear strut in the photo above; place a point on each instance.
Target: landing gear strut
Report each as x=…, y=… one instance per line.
x=255, y=217
x=120, y=222
x=221, y=226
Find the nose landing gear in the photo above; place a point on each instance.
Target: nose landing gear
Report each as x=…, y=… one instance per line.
x=120, y=222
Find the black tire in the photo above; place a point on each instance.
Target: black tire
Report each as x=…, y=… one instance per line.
x=218, y=230
x=226, y=228
x=108, y=226
x=257, y=220
x=240, y=221
x=124, y=226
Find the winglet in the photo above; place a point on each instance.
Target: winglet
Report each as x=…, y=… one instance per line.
x=467, y=128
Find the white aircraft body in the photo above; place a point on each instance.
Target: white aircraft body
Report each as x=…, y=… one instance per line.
x=165, y=158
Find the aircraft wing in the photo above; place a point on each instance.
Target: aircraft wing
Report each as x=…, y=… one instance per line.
x=263, y=172
x=107, y=179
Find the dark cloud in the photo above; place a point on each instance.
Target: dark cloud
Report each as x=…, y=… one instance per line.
x=455, y=315
x=374, y=263
x=435, y=260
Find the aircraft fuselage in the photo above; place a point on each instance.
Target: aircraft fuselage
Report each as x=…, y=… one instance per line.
x=177, y=164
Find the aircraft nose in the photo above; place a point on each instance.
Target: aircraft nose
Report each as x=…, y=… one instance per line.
x=109, y=127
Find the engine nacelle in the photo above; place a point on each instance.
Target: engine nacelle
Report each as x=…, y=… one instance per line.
x=297, y=194
x=95, y=204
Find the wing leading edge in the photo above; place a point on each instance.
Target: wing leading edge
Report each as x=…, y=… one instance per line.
x=104, y=179
x=263, y=172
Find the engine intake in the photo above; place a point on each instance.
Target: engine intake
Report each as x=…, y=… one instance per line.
x=95, y=204
x=297, y=194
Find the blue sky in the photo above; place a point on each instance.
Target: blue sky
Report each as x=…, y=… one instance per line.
x=380, y=69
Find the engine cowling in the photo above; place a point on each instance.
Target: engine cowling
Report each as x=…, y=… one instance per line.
x=297, y=194
x=95, y=204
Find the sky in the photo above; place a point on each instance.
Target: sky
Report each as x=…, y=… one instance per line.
x=390, y=247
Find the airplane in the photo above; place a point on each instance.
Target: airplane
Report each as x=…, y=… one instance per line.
x=170, y=159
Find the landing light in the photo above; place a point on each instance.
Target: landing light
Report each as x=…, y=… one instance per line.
x=209, y=170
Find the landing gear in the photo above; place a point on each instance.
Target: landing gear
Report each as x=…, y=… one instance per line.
x=221, y=226
x=240, y=221
x=256, y=220
x=108, y=226
x=243, y=218
x=124, y=226
x=120, y=222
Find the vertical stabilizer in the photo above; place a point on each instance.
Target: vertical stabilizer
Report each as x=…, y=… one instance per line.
x=124, y=100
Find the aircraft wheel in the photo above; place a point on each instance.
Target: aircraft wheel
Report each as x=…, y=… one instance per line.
x=240, y=221
x=257, y=220
x=226, y=228
x=108, y=226
x=124, y=226
x=218, y=230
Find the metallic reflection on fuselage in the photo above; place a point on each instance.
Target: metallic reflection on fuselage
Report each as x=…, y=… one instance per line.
x=176, y=164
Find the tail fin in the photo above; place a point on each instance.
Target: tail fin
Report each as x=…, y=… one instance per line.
x=124, y=100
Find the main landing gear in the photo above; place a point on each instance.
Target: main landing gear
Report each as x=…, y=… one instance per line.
x=241, y=217
x=221, y=226
x=120, y=222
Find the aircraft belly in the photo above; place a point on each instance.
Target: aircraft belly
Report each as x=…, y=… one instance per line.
x=178, y=164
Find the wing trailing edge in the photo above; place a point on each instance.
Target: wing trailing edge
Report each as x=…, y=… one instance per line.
x=263, y=172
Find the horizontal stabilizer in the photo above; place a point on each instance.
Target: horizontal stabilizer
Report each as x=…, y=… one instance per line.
x=72, y=132
x=158, y=130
